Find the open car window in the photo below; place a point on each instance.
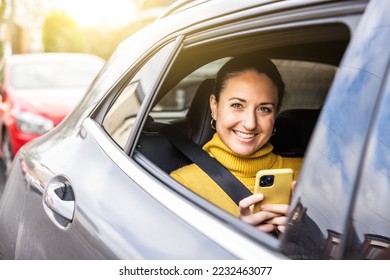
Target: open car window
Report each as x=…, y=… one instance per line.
x=307, y=64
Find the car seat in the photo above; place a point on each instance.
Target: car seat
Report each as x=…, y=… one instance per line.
x=293, y=131
x=195, y=125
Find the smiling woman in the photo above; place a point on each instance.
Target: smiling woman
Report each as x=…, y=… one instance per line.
x=108, y=13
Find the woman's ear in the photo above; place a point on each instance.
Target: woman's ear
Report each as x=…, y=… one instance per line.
x=213, y=106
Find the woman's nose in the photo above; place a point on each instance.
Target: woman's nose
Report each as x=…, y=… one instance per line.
x=250, y=121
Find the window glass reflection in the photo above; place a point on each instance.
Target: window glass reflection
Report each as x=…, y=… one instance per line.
x=120, y=118
x=372, y=212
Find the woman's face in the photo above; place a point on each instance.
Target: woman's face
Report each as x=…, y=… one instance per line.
x=246, y=111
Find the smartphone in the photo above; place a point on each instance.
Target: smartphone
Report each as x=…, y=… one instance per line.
x=275, y=185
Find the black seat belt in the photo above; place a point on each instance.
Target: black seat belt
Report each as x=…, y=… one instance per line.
x=220, y=174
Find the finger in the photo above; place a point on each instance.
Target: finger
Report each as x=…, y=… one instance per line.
x=258, y=218
x=277, y=221
x=276, y=208
x=281, y=228
x=293, y=184
x=246, y=203
x=266, y=227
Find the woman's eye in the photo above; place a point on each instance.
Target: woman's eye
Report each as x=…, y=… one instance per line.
x=236, y=105
x=264, y=109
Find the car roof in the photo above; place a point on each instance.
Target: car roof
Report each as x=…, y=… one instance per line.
x=193, y=11
x=180, y=5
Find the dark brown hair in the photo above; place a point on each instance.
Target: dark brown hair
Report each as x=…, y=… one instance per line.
x=258, y=63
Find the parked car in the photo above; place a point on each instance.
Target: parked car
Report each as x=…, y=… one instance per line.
x=97, y=186
x=37, y=91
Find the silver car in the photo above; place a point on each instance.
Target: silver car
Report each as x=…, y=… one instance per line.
x=98, y=185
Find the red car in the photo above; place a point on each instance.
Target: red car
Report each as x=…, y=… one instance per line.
x=37, y=91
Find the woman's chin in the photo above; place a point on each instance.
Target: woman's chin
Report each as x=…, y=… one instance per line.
x=244, y=152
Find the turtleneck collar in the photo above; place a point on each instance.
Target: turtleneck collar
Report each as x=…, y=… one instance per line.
x=241, y=166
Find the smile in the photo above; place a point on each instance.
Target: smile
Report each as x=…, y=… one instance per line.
x=244, y=135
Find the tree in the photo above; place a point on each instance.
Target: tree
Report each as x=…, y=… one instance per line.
x=60, y=33
x=3, y=5
x=104, y=42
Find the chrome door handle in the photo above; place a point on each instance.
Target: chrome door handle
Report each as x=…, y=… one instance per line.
x=58, y=197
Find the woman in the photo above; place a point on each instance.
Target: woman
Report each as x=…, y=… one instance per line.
x=248, y=94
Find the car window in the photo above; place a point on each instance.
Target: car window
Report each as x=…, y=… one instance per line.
x=120, y=118
x=308, y=76
x=176, y=102
x=371, y=215
x=307, y=80
x=331, y=174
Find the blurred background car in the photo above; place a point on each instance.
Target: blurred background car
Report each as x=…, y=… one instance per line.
x=37, y=91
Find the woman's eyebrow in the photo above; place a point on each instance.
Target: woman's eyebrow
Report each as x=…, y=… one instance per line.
x=237, y=98
x=244, y=101
x=267, y=103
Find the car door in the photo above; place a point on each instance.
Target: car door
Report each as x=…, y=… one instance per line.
x=341, y=202
x=83, y=199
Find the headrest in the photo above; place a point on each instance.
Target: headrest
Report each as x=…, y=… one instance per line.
x=293, y=131
x=198, y=118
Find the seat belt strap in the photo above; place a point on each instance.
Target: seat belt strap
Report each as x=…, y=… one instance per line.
x=220, y=174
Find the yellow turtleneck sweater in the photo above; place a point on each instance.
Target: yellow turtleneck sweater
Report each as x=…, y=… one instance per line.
x=244, y=168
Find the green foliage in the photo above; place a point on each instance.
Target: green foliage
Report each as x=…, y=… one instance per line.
x=61, y=34
x=3, y=5
x=1, y=49
x=104, y=42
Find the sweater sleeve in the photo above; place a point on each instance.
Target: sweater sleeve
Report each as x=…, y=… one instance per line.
x=176, y=175
x=192, y=177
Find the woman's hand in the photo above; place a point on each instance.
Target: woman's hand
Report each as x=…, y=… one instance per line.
x=271, y=217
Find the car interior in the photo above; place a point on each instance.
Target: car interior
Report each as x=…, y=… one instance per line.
x=294, y=123
x=307, y=59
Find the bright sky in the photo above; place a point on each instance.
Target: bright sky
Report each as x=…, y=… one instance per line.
x=110, y=13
